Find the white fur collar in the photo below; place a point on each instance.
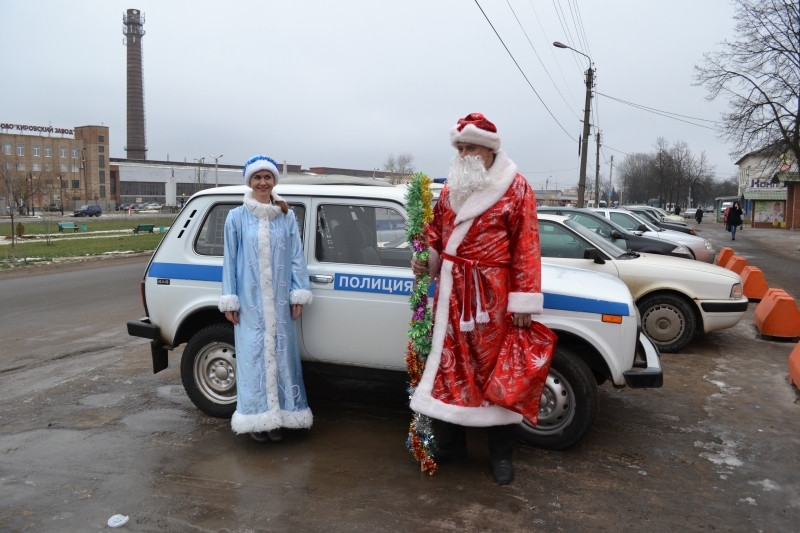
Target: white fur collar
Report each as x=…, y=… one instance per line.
x=260, y=210
x=501, y=175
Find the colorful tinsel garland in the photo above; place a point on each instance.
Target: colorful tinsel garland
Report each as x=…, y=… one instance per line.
x=420, y=211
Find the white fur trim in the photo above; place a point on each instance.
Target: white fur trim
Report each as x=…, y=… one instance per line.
x=474, y=135
x=268, y=421
x=301, y=296
x=228, y=302
x=423, y=401
x=501, y=176
x=526, y=302
x=260, y=210
x=261, y=164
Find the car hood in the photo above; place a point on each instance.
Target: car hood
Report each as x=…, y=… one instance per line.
x=667, y=262
x=562, y=281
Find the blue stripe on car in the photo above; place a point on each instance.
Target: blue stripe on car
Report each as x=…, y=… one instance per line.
x=551, y=301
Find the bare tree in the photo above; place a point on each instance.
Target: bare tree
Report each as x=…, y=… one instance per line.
x=759, y=73
x=401, y=167
x=9, y=183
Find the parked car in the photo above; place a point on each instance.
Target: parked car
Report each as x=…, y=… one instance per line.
x=359, y=319
x=152, y=206
x=618, y=235
x=656, y=219
x=54, y=207
x=88, y=211
x=689, y=212
x=701, y=249
x=676, y=298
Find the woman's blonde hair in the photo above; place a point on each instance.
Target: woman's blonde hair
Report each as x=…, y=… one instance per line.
x=280, y=203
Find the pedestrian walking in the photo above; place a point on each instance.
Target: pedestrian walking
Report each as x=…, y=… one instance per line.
x=698, y=215
x=484, y=248
x=264, y=288
x=734, y=219
x=677, y=209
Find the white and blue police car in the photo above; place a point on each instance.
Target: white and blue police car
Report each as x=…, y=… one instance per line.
x=358, y=262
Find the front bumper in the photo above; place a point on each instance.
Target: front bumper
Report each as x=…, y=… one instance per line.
x=722, y=314
x=158, y=350
x=646, y=373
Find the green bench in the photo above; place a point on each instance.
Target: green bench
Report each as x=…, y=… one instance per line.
x=143, y=227
x=67, y=225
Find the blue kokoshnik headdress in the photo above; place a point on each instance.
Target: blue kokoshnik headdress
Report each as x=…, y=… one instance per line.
x=259, y=162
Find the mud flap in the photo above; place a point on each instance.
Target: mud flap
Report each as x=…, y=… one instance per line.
x=160, y=356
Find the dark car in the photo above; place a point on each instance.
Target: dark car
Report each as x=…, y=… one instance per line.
x=617, y=235
x=653, y=217
x=88, y=211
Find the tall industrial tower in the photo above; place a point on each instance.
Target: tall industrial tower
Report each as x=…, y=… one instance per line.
x=133, y=30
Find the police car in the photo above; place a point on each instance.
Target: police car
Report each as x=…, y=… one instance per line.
x=358, y=262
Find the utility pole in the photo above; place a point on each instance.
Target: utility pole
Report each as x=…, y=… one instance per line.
x=585, y=148
x=216, y=159
x=610, y=181
x=597, y=173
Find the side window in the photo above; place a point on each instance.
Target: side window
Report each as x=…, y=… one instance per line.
x=361, y=235
x=556, y=241
x=210, y=238
x=625, y=221
x=300, y=214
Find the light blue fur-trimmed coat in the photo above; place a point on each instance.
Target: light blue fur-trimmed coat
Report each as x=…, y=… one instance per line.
x=263, y=273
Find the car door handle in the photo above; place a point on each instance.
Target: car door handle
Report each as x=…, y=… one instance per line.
x=321, y=279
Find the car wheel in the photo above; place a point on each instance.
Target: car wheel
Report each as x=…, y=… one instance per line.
x=667, y=320
x=568, y=405
x=208, y=370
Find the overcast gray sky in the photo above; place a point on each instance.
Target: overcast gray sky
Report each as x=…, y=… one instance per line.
x=345, y=83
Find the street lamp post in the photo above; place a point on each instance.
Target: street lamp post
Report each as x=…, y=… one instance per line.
x=216, y=159
x=586, y=125
x=61, y=195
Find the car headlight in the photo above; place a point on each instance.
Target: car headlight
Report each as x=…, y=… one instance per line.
x=682, y=250
x=709, y=246
x=736, y=291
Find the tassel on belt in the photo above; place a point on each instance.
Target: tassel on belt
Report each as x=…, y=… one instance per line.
x=473, y=282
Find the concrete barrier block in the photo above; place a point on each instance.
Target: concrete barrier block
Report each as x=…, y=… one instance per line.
x=736, y=264
x=754, y=285
x=724, y=256
x=794, y=366
x=777, y=315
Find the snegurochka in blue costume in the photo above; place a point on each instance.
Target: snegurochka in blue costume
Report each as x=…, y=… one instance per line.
x=264, y=288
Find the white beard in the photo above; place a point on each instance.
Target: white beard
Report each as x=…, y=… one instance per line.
x=467, y=175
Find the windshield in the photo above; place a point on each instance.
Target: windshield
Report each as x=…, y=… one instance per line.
x=601, y=226
x=595, y=239
x=643, y=220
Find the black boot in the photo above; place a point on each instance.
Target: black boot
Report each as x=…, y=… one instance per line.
x=501, y=446
x=503, y=471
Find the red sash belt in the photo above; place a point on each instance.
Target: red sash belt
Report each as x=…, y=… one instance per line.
x=472, y=281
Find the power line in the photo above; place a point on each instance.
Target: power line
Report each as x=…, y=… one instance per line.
x=666, y=114
x=567, y=34
x=520, y=69
x=552, y=52
x=540, y=59
x=577, y=30
x=583, y=28
x=546, y=171
x=620, y=151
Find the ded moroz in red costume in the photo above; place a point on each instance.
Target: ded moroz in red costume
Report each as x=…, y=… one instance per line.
x=490, y=266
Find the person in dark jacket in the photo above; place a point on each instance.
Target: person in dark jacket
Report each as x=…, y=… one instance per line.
x=698, y=215
x=677, y=209
x=734, y=219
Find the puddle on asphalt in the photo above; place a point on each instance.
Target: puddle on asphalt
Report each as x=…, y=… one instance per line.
x=102, y=400
x=156, y=420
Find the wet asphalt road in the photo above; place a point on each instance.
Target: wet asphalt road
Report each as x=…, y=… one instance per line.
x=87, y=431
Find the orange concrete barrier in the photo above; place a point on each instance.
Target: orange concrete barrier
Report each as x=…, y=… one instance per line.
x=736, y=264
x=777, y=315
x=794, y=366
x=754, y=285
x=724, y=256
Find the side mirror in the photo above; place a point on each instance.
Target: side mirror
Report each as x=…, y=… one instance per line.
x=616, y=234
x=594, y=254
x=641, y=227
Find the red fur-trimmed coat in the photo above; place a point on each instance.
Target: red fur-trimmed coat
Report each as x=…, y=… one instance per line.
x=498, y=226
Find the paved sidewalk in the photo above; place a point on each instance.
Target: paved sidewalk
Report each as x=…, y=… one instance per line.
x=767, y=249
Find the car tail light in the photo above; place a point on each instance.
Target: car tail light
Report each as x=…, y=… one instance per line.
x=144, y=299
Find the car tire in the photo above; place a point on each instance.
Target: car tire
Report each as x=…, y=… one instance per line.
x=667, y=320
x=208, y=370
x=568, y=407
